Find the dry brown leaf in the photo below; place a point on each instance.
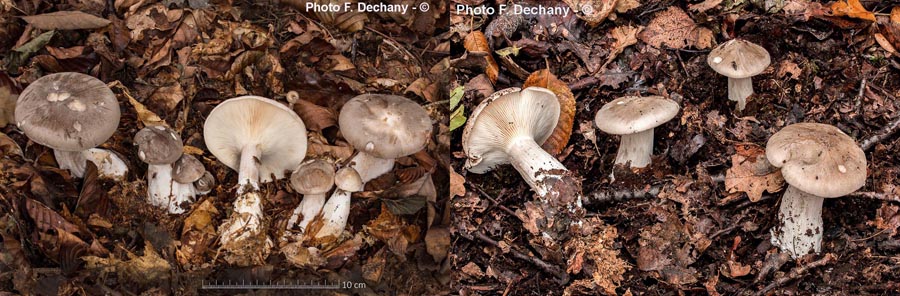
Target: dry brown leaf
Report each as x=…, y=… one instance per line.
x=560, y=136
x=9, y=147
x=314, y=116
x=887, y=218
x=705, y=5
x=592, y=12
x=477, y=42
x=675, y=28
x=623, y=6
x=46, y=218
x=7, y=106
x=198, y=233
x=751, y=173
x=167, y=96
x=437, y=243
x=143, y=269
x=879, y=38
x=625, y=36
x=788, y=68
x=851, y=8
x=457, y=184
x=802, y=10
x=322, y=150
x=66, y=20
x=895, y=15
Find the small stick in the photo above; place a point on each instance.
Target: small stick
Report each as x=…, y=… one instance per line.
x=489, y=197
x=881, y=135
x=797, y=272
x=561, y=275
x=877, y=195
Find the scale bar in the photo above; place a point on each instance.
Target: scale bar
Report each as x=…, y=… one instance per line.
x=270, y=287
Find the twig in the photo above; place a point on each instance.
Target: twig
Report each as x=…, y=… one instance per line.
x=491, y=198
x=797, y=272
x=561, y=275
x=883, y=134
x=877, y=195
x=584, y=83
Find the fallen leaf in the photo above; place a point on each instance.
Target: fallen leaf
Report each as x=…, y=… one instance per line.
x=457, y=184
x=705, y=5
x=21, y=54
x=623, y=6
x=437, y=242
x=66, y=20
x=144, y=269
x=802, y=10
x=675, y=28
x=887, y=218
x=316, y=150
x=852, y=9
x=314, y=116
x=751, y=173
x=9, y=147
x=625, y=36
x=458, y=118
x=560, y=136
x=198, y=233
x=476, y=42
x=93, y=198
x=787, y=68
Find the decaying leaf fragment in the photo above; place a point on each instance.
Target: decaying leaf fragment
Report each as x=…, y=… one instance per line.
x=7, y=106
x=675, y=28
x=625, y=36
x=560, y=136
x=476, y=42
x=751, y=173
x=144, y=269
x=66, y=20
x=593, y=12
x=852, y=9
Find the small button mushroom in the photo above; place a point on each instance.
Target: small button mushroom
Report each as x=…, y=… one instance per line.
x=634, y=118
x=188, y=169
x=509, y=127
x=739, y=60
x=817, y=161
x=72, y=113
x=313, y=178
x=382, y=128
x=205, y=184
x=260, y=139
x=160, y=147
x=347, y=179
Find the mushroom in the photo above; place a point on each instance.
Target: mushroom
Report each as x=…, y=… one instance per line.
x=739, y=60
x=817, y=161
x=634, y=118
x=72, y=113
x=313, y=178
x=348, y=179
x=382, y=128
x=509, y=127
x=160, y=147
x=188, y=169
x=260, y=139
x=205, y=184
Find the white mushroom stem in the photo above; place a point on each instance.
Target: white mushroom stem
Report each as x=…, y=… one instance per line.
x=248, y=170
x=636, y=148
x=164, y=192
x=336, y=211
x=534, y=164
x=799, y=229
x=108, y=164
x=308, y=208
x=739, y=89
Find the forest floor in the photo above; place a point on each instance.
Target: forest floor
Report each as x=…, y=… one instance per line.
x=177, y=60
x=707, y=230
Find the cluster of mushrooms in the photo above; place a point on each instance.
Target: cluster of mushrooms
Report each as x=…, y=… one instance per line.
x=260, y=138
x=817, y=161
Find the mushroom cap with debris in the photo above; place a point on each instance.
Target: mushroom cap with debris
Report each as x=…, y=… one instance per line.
x=632, y=114
x=818, y=159
x=158, y=144
x=507, y=114
x=738, y=58
x=313, y=176
x=68, y=111
x=187, y=169
x=385, y=126
x=276, y=130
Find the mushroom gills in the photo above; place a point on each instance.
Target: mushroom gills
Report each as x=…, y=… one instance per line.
x=636, y=148
x=534, y=164
x=799, y=228
x=739, y=89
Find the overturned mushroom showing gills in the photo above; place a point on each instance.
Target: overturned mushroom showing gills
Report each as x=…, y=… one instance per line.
x=739, y=60
x=817, y=161
x=161, y=147
x=72, y=113
x=509, y=127
x=260, y=139
x=634, y=118
x=313, y=178
x=382, y=128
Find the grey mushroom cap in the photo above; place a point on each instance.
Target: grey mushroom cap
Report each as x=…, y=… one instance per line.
x=158, y=145
x=68, y=111
x=188, y=169
x=205, y=183
x=313, y=177
x=385, y=126
x=348, y=179
x=818, y=159
x=738, y=58
x=632, y=114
